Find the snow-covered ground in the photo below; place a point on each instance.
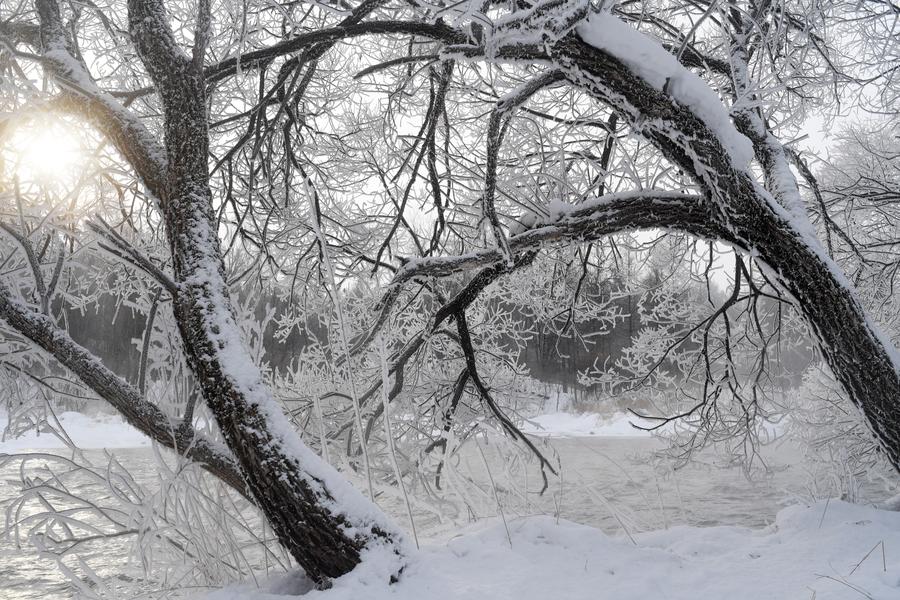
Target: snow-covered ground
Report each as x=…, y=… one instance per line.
x=565, y=424
x=826, y=551
x=101, y=431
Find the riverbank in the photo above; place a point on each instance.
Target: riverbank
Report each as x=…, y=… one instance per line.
x=825, y=551
x=110, y=431
x=567, y=424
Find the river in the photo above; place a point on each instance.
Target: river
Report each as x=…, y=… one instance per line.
x=610, y=483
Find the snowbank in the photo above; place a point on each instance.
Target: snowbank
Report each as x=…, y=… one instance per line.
x=562, y=424
x=827, y=551
x=102, y=431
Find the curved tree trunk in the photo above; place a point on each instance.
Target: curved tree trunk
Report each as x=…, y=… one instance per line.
x=860, y=357
x=315, y=513
x=862, y=360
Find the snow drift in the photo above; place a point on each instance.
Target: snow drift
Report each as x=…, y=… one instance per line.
x=827, y=551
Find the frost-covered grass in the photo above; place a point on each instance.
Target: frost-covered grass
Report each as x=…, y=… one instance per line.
x=829, y=550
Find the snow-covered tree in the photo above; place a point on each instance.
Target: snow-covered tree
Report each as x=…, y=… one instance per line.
x=426, y=153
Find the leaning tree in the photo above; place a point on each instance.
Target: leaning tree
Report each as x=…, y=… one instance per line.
x=400, y=145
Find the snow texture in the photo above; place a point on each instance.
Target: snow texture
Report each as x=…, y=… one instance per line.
x=827, y=551
x=647, y=59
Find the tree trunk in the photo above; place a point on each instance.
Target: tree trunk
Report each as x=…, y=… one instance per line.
x=861, y=358
x=314, y=512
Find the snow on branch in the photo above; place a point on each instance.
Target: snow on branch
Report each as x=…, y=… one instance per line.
x=647, y=59
x=612, y=213
x=81, y=95
x=541, y=23
x=593, y=219
x=496, y=130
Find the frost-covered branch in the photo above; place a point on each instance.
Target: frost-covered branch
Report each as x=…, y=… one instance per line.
x=122, y=249
x=613, y=213
x=495, y=133
x=328, y=36
x=121, y=395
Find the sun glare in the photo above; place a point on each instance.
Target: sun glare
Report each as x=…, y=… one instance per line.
x=46, y=153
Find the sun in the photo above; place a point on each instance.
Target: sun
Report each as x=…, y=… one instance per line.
x=46, y=153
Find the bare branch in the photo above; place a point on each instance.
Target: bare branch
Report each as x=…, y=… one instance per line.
x=127, y=251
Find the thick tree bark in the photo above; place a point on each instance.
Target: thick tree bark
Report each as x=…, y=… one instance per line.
x=857, y=353
x=316, y=515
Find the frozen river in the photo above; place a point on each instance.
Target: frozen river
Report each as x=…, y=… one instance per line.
x=606, y=482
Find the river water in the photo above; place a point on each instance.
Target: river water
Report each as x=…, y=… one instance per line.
x=610, y=483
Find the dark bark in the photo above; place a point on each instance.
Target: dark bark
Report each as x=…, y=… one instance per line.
x=298, y=505
x=856, y=353
x=306, y=40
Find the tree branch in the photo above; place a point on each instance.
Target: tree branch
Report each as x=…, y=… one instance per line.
x=120, y=394
x=83, y=97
